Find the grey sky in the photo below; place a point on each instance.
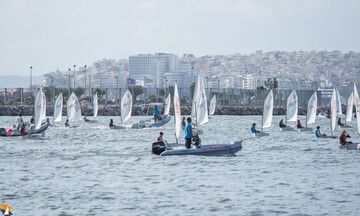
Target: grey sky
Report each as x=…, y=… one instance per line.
x=59, y=33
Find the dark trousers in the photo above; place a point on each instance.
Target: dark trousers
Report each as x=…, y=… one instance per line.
x=187, y=143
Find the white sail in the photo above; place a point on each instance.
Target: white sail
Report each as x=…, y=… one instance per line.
x=357, y=108
x=333, y=110
x=126, y=106
x=39, y=106
x=95, y=105
x=58, y=108
x=311, y=109
x=292, y=107
x=196, y=96
x=177, y=112
x=338, y=99
x=356, y=93
x=43, y=113
x=349, y=108
x=268, y=110
x=167, y=105
x=212, y=105
x=201, y=106
x=73, y=108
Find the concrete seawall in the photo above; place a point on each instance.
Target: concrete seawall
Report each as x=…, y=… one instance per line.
x=114, y=110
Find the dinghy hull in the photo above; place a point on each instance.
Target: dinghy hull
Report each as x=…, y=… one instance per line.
x=287, y=129
x=350, y=146
x=208, y=150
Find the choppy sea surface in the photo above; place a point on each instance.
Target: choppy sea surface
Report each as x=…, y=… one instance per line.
x=92, y=170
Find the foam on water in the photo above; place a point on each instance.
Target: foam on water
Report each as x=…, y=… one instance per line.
x=91, y=170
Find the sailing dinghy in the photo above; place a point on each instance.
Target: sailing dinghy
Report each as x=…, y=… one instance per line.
x=95, y=110
x=126, y=109
x=163, y=119
x=58, y=107
x=291, y=111
x=332, y=116
x=266, y=119
x=73, y=109
x=212, y=105
x=349, y=111
x=355, y=146
x=40, y=125
x=165, y=149
x=310, y=113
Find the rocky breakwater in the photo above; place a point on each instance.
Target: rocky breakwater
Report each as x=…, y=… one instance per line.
x=114, y=110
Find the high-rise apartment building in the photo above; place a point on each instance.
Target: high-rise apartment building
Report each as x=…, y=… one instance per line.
x=152, y=68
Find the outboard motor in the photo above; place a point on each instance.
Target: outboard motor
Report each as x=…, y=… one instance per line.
x=158, y=147
x=3, y=132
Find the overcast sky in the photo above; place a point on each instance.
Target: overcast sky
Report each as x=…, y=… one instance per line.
x=59, y=33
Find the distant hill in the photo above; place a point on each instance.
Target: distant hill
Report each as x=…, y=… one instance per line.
x=19, y=81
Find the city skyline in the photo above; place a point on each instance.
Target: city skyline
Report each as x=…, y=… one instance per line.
x=49, y=35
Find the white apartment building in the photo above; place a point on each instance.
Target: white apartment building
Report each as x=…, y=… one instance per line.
x=152, y=67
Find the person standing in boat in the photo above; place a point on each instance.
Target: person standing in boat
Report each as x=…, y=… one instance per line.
x=281, y=124
x=156, y=113
x=19, y=121
x=188, y=133
x=183, y=123
x=339, y=122
x=299, y=125
x=343, y=138
x=23, y=130
x=318, y=134
x=253, y=129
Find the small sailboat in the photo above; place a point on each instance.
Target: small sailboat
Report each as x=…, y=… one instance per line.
x=163, y=119
x=58, y=107
x=41, y=123
x=73, y=109
x=354, y=146
x=163, y=149
x=291, y=111
x=212, y=105
x=310, y=113
x=95, y=110
x=126, y=109
x=266, y=119
x=338, y=100
x=199, y=110
x=349, y=111
x=333, y=112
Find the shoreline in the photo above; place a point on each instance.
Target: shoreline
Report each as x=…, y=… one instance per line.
x=114, y=110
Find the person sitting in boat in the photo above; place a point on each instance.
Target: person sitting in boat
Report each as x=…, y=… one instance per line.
x=339, y=122
x=318, y=134
x=32, y=120
x=67, y=123
x=299, y=125
x=188, y=133
x=253, y=129
x=23, y=130
x=343, y=138
x=111, y=124
x=183, y=123
x=281, y=124
x=86, y=119
x=160, y=137
x=156, y=113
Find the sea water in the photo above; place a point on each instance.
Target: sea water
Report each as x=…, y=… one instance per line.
x=92, y=170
